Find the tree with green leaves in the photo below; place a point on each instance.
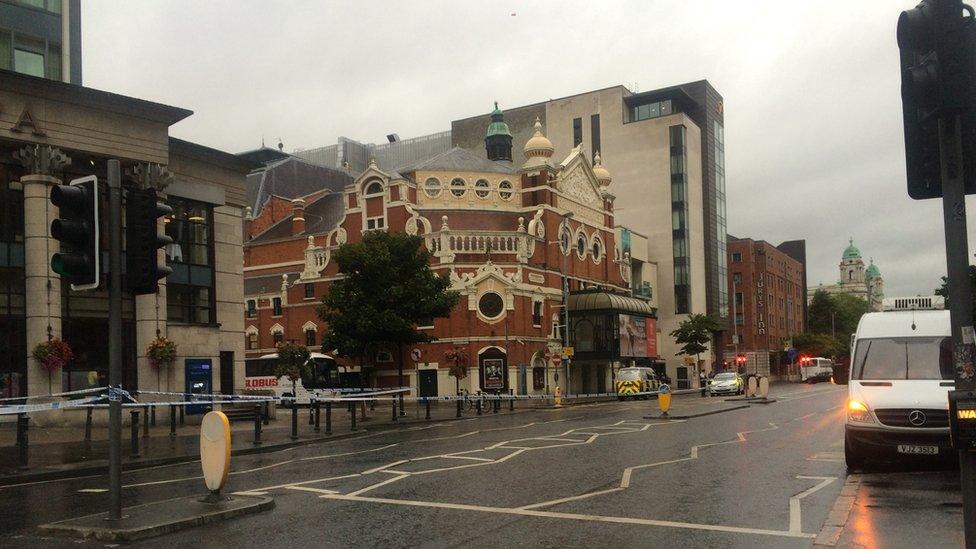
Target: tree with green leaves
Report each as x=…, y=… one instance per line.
x=823, y=345
x=387, y=289
x=694, y=333
x=944, y=289
x=292, y=363
x=836, y=315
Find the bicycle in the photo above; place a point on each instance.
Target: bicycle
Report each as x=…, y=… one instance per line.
x=471, y=401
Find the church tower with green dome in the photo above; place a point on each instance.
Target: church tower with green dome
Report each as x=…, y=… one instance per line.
x=498, y=139
x=852, y=269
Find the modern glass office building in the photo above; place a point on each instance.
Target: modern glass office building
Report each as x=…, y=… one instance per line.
x=41, y=38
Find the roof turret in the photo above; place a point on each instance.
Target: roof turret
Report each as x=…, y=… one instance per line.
x=851, y=252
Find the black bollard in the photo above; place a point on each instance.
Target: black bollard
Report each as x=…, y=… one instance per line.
x=478, y=405
x=152, y=409
x=22, y=424
x=267, y=413
x=257, y=424
x=88, y=424
x=496, y=404
x=294, y=420
x=458, y=406
x=427, y=405
x=318, y=416
x=311, y=411
x=182, y=411
x=145, y=422
x=362, y=408
x=511, y=401
x=352, y=414
x=328, y=418
x=135, y=434
x=394, y=410
x=172, y=421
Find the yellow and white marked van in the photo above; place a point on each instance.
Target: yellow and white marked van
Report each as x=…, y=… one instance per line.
x=633, y=381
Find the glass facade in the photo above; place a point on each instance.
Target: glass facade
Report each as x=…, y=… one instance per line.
x=30, y=55
x=189, y=289
x=679, y=220
x=652, y=110
x=721, y=226
x=13, y=328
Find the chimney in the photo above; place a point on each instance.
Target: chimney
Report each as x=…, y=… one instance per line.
x=298, y=216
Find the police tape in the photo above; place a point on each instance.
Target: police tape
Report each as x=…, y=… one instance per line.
x=56, y=395
x=47, y=406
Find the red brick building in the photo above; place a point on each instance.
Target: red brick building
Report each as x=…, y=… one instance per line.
x=768, y=289
x=503, y=234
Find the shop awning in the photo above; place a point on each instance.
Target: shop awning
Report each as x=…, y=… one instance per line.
x=599, y=301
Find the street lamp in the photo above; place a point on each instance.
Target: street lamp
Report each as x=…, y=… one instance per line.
x=565, y=331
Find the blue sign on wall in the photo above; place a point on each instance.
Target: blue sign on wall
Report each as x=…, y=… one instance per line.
x=199, y=381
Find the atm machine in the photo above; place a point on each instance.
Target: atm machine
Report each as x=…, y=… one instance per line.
x=199, y=381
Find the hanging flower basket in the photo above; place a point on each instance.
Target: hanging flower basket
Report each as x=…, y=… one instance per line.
x=161, y=352
x=52, y=355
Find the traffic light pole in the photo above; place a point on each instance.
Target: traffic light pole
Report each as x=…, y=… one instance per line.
x=115, y=340
x=960, y=300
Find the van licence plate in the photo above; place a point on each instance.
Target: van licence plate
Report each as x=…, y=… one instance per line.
x=916, y=449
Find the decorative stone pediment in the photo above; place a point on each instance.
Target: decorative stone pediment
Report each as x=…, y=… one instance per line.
x=488, y=271
x=372, y=172
x=578, y=182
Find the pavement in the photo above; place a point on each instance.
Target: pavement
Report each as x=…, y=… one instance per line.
x=578, y=476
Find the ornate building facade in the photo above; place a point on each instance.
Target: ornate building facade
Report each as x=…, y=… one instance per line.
x=505, y=234
x=856, y=280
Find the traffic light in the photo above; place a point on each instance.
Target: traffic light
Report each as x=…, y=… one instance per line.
x=740, y=360
x=77, y=230
x=142, y=240
x=938, y=80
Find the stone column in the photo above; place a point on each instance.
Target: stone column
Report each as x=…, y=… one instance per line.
x=42, y=286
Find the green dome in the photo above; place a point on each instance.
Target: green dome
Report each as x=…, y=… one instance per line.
x=872, y=270
x=852, y=252
x=498, y=125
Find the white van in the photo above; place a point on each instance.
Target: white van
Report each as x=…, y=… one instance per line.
x=323, y=377
x=816, y=369
x=900, y=373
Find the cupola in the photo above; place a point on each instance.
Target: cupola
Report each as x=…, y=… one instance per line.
x=538, y=145
x=498, y=139
x=601, y=173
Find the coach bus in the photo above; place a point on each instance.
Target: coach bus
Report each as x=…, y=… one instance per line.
x=322, y=377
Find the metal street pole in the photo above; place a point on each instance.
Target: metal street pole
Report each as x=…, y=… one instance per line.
x=960, y=300
x=566, y=217
x=735, y=322
x=115, y=340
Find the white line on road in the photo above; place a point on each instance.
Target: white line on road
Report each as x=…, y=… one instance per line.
x=796, y=523
x=378, y=484
x=573, y=516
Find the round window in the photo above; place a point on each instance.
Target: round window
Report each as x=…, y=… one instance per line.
x=481, y=188
x=432, y=187
x=458, y=187
x=581, y=245
x=491, y=305
x=505, y=190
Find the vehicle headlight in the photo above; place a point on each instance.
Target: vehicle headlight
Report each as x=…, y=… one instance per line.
x=858, y=411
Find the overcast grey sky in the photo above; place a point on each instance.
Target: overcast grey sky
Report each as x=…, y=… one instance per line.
x=814, y=145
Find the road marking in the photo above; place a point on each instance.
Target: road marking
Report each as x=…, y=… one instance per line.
x=92, y=490
x=796, y=523
x=310, y=489
x=265, y=490
x=572, y=516
x=387, y=466
x=378, y=484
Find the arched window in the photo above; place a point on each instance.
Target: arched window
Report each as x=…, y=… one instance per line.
x=482, y=188
x=432, y=187
x=596, y=248
x=581, y=245
x=252, y=340
x=374, y=188
x=458, y=187
x=564, y=240
x=309, y=337
x=505, y=190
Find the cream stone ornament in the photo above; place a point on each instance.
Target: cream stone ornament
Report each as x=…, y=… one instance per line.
x=215, y=450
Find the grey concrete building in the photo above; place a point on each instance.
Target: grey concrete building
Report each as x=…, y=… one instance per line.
x=41, y=38
x=52, y=132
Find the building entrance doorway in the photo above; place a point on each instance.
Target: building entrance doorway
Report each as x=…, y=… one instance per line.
x=428, y=383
